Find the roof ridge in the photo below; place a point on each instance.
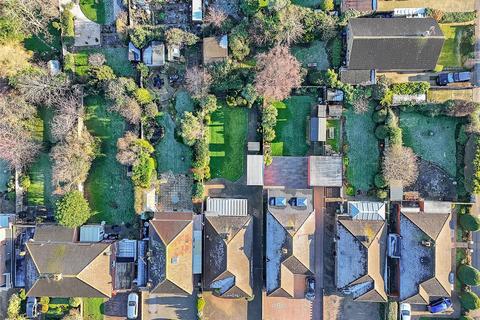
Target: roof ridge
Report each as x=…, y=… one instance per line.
x=247, y=221
x=413, y=214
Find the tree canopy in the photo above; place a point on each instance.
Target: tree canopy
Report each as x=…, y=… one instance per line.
x=72, y=210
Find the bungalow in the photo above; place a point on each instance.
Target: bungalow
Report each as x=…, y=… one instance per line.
x=215, y=49
x=170, y=262
x=393, y=44
x=228, y=237
x=290, y=234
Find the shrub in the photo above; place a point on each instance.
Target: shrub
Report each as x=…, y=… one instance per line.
x=25, y=182
x=380, y=115
x=327, y=5
x=396, y=137
x=22, y=294
x=476, y=170
x=69, y=63
x=381, y=132
x=72, y=210
x=200, y=306
x=469, y=275
x=380, y=181
x=68, y=25
x=350, y=190
x=143, y=171
x=74, y=302
x=335, y=52
x=151, y=110
x=382, y=194
x=198, y=191
x=451, y=17
x=143, y=96
x=101, y=74
x=470, y=222
x=13, y=307
x=410, y=88
x=469, y=300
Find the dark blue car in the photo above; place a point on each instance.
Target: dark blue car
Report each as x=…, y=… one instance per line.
x=439, y=305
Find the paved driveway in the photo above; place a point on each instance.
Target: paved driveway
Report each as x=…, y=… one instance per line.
x=276, y=308
x=115, y=308
x=167, y=306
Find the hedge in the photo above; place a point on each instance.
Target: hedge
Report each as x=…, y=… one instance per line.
x=469, y=300
x=470, y=222
x=469, y=275
x=476, y=168
x=380, y=115
x=380, y=181
x=381, y=132
x=410, y=88
x=450, y=17
x=68, y=25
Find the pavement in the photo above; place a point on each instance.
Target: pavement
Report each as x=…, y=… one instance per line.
x=87, y=32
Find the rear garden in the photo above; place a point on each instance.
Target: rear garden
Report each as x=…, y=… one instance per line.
x=108, y=189
x=117, y=59
x=315, y=53
x=291, y=128
x=228, y=138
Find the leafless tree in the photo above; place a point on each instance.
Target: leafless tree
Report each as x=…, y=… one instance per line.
x=17, y=144
x=72, y=159
x=129, y=109
x=400, y=164
x=290, y=26
x=96, y=59
x=278, y=72
x=32, y=16
x=198, y=81
x=215, y=16
x=67, y=113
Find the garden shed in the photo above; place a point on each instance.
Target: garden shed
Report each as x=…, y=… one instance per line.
x=335, y=110
x=197, y=11
x=92, y=233
x=215, y=49
x=318, y=129
x=134, y=53
x=154, y=54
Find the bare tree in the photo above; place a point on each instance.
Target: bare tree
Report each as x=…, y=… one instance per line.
x=290, y=26
x=33, y=16
x=13, y=58
x=198, y=81
x=96, y=59
x=215, y=16
x=278, y=72
x=17, y=145
x=129, y=109
x=72, y=159
x=67, y=112
x=400, y=164
x=130, y=148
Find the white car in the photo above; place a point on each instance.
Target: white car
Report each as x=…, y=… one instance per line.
x=132, y=306
x=405, y=311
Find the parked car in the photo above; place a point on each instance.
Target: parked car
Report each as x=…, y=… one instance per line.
x=439, y=305
x=277, y=201
x=445, y=78
x=32, y=307
x=298, y=202
x=132, y=306
x=310, y=293
x=405, y=311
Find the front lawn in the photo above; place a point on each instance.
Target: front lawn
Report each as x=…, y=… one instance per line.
x=432, y=139
x=172, y=154
x=94, y=10
x=315, y=52
x=117, y=59
x=457, y=47
x=362, y=152
x=108, y=188
x=291, y=128
x=228, y=138
x=93, y=308
x=40, y=192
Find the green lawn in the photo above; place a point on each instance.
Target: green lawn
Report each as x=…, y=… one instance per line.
x=93, y=10
x=456, y=48
x=335, y=142
x=183, y=102
x=362, y=151
x=291, y=128
x=432, y=139
x=228, y=137
x=169, y=152
x=108, y=188
x=40, y=192
x=308, y=3
x=314, y=53
x=43, y=48
x=93, y=308
x=117, y=59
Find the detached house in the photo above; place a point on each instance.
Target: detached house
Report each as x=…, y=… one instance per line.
x=60, y=268
x=290, y=233
x=393, y=44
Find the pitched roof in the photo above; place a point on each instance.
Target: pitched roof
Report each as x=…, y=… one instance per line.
x=215, y=49
x=318, y=129
x=62, y=269
x=290, y=233
x=356, y=76
x=53, y=232
x=424, y=270
x=360, y=258
x=154, y=54
x=359, y=5
x=394, y=43
x=227, y=254
x=171, y=242
x=288, y=172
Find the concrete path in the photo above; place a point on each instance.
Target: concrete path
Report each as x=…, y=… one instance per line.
x=319, y=205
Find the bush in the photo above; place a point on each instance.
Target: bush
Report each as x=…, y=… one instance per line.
x=74, y=302
x=143, y=171
x=13, y=307
x=476, y=169
x=327, y=5
x=470, y=222
x=198, y=191
x=381, y=132
x=451, y=17
x=469, y=275
x=380, y=181
x=143, y=96
x=22, y=294
x=72, y=210
x=410, y=88
x=469, y=300
x=68, y=25
x=382, y=194
x=396, y=137
x=350, y=190
x=25, y=182
x=380, y=115
x=69, y=63
x=335, y=52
